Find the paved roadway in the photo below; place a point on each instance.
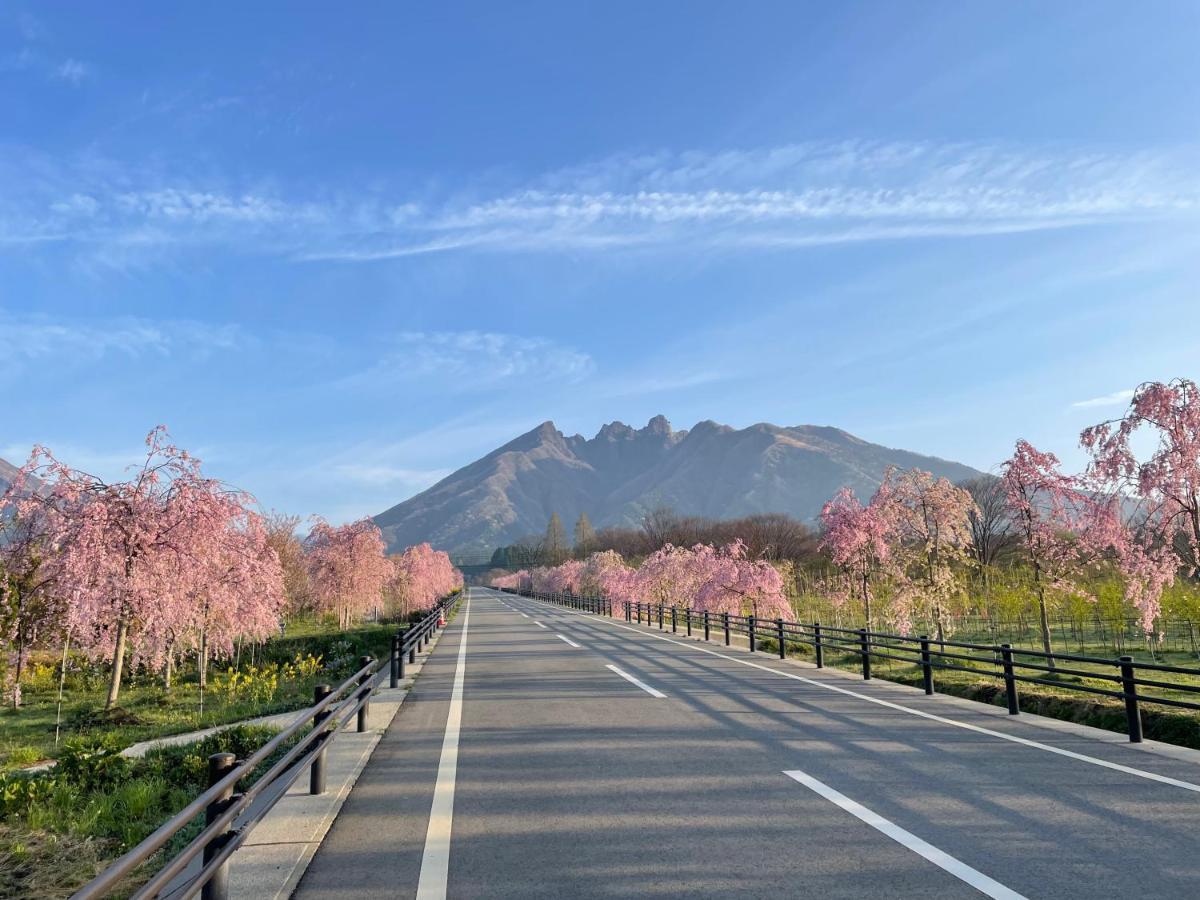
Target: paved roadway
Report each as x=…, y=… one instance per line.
x=548, y=753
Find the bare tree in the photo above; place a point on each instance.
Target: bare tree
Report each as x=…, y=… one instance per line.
x=992, y=538
x=585, y=535
x=555, y=543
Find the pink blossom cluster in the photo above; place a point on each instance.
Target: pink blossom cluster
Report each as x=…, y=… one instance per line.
x=422, y=576
x=348, y=568
x=717, y=579
x=146, y=568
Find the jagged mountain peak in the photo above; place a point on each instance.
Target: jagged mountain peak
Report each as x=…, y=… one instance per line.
x=617, y=476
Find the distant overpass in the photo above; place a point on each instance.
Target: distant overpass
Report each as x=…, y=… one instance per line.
x=472, y=565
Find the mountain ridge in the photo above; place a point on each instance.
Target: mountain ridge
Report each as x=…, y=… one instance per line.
x=621, y=473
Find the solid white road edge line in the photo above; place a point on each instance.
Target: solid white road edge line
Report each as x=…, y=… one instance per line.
x=976, y=879
x=645, y=687
x=879, y=701
x=435, y=862
x=563, y=637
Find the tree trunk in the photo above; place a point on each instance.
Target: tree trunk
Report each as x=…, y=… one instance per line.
x=118, y=664
x=62, y=681
x=1043, y=617
x=1044, y=621
x=169, y=669
x=19, y=668
x=203, y=660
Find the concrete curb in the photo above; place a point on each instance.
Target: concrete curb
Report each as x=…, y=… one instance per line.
x=278, y=851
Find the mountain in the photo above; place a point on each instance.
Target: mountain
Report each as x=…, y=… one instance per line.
x=622, y=473
x=8, y=472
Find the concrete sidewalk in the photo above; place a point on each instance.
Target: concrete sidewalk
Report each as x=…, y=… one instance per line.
x=277, y=852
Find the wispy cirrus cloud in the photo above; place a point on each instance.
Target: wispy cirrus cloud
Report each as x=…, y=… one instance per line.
x=27, y=341
x=776, y=198
x=471, y=360
x=1116, y=398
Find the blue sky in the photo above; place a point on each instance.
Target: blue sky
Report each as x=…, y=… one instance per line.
x=342, y=252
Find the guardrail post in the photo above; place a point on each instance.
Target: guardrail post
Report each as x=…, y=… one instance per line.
x=865, y=646
x=1010, y=680
x=687, y=615
x=316, y=771
x=674, y=629
x=706, y=624
x=779, y=632
x=365, y=693
x=412, y=649
x=660, y=617
x=217, y=887
x=750, y=620
x=818, y=647
x=394, y=660
x=639, y=612
x=725, y=618
x=1129, y=689
x=926, y=667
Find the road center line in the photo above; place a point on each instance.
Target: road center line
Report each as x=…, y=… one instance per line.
x=645, y=687
x=435, y=862
x=879, y=701
x=539, y=624
x=563, y=637
x=976, y=879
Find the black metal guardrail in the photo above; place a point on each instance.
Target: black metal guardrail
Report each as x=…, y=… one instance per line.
x=1001, y=661
x=228, y=818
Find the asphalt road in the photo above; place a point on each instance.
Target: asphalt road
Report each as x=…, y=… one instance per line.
x=562, y=755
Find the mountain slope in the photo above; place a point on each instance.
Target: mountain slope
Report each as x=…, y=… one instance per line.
x=712, y=470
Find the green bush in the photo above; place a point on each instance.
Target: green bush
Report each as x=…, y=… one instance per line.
x=92, y=763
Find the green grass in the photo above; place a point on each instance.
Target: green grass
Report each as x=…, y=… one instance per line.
x=58, y=829
x=147, y=711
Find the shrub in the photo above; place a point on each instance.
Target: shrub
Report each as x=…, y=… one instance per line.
x=92, y=763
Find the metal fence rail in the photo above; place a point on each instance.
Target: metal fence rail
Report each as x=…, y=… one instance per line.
x=1001, y=661
x=228, y=816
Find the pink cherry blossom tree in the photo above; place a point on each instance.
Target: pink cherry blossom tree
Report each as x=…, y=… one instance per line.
x=512, y=582
x=1062, y=529
x=929, y=520
x=30, y=611
x=731, y=582
x=1164, y=485
x=128, y=558
x=858, y=539
x=423, y=576
x=348, y=568
x=673, y=576
x=606, y=575
x=565, y=578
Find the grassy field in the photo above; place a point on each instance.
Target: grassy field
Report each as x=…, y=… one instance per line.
x=59, y=829
x=277, y=677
